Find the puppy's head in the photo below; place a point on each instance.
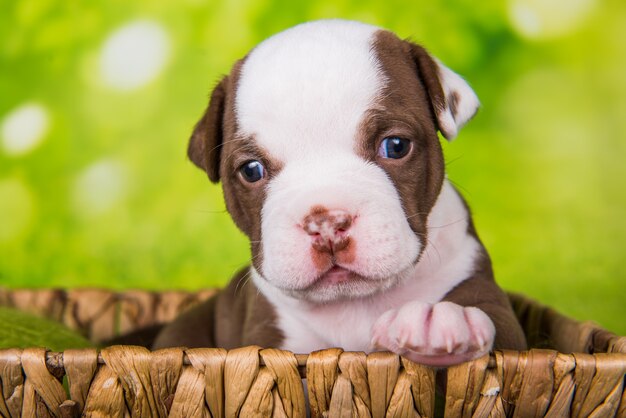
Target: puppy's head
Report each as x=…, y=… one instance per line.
x=325, y=140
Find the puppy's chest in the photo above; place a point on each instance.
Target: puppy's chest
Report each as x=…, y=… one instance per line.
x=346, y=324
x=348, y=327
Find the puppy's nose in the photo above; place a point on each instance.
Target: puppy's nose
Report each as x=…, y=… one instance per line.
x=328, y=228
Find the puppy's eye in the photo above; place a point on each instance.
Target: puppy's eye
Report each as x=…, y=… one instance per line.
x=252, y=171
x=394, y=147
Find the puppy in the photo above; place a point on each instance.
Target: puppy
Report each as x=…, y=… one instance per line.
x=325, y=140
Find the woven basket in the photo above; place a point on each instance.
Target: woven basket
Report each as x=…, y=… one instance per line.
x=577, y=369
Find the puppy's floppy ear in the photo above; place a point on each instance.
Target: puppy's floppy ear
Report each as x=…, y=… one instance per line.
x=205, y=144
x=453, y=100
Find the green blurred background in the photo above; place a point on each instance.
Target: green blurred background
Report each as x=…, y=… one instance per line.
x=97, y=100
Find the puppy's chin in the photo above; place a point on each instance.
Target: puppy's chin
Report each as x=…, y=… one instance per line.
x=339, y=284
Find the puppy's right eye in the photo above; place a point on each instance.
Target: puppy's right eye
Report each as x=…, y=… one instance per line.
x=252, y=171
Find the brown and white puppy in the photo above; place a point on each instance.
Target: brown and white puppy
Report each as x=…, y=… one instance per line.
x=325, y=140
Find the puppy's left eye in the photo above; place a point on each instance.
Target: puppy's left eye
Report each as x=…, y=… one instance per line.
x=252, y=171
x=394, y=147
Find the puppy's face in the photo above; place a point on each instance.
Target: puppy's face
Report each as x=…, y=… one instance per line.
x=325, y=140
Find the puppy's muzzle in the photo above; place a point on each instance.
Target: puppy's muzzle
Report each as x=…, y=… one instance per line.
x=329, y=229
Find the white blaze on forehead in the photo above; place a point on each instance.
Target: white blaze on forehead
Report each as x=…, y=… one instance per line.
x=310, y=84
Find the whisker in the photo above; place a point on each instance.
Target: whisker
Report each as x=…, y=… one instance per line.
x=211, y=211
x=416, y=214
x=432, y=244
x=221, y=144
x=245, y=278
x=459, y=186
x=454, y=160
x=451, y=223
x=235, y=151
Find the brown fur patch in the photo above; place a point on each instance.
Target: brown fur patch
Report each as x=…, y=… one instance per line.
x=406, y=109
x=321, y=260
x=238, y=315
x=341, y=245
x=216, y=146
x=453, y=102
x=347, y=253
x=204, y=147
x=481, y=291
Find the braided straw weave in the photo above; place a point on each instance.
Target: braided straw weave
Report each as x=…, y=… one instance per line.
x=580, y=372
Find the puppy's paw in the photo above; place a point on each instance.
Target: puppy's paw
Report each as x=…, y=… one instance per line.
x=440, y=335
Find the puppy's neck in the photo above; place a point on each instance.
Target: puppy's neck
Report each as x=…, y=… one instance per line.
x=452, y=247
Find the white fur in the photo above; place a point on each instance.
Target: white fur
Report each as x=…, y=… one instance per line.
x=303, y=92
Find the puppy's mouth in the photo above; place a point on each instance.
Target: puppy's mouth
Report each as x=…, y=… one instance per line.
x=335, y=275
x=339, y=283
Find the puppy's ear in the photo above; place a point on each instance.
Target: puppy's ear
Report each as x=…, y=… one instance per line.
x=453, y=100
x=205, y=144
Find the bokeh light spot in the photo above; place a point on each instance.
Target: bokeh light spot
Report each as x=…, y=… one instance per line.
x=134, y=55
x=16, y=209
x=24, y=128
x=99, y=188
x=544, y=19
